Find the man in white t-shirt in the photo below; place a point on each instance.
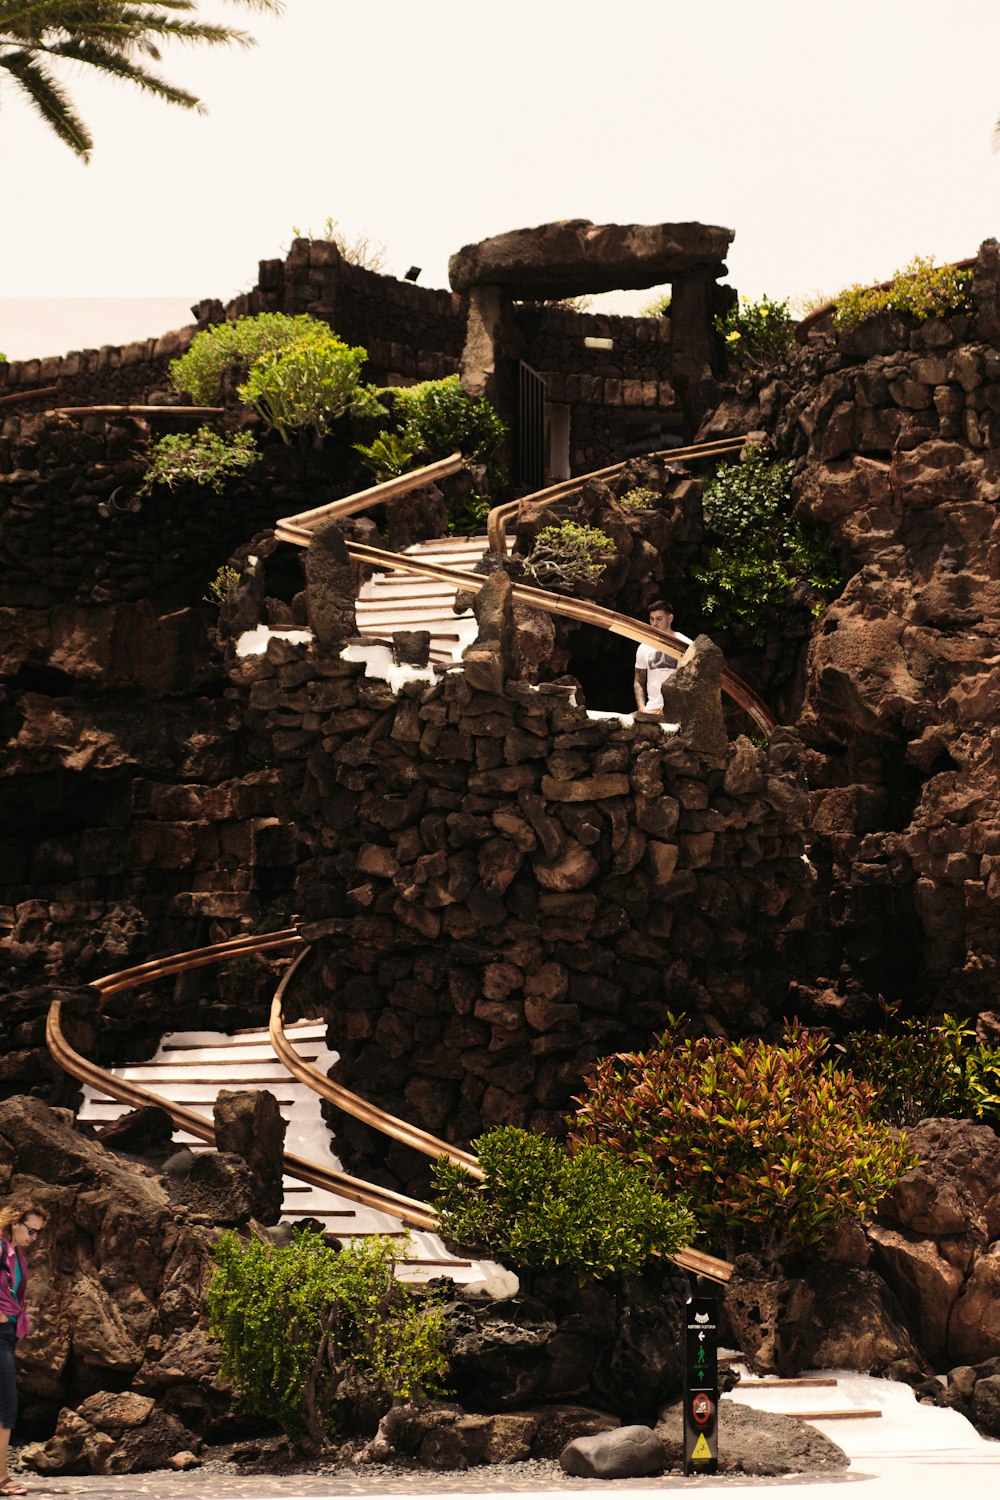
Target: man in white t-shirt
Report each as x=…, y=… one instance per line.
x=653, y=666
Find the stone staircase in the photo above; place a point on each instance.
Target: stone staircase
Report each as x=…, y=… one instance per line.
x=813, y=1398
x=870, y=1419
x=389, y=602
x=189, y=1068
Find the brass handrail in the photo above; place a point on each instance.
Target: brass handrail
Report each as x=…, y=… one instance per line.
x=496, y=521
x=582, y=610
x=369, y=1114
x=11, y=397
x=699, y=1262
x=389, y=489
x=410, y=1210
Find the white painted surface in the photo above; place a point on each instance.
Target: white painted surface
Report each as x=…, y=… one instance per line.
x=224, y=1061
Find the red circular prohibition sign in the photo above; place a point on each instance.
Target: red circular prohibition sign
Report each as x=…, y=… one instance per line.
x=701, y=1409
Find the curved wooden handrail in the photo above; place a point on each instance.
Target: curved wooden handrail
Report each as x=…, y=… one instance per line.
x=390, y=1125
x=137, y=409
x=496, y=521
x=696, y=1261
x=410, y=1210
x=195, y=958
x=581, y=610
x=308, y=520
x=14, y=396
x=299, y=530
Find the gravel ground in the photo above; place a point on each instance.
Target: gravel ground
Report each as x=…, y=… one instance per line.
x=220, y=1479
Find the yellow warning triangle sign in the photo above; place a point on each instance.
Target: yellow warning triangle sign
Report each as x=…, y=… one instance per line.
x=701, y=1450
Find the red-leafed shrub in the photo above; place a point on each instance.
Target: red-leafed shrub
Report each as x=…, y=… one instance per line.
x=771, y=1145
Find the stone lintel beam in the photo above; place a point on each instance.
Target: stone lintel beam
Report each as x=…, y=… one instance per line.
x=573, y=257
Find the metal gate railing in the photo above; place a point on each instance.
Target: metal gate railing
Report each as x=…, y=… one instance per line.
x=530, y=428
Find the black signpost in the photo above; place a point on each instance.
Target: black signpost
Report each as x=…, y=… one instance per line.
x=701, y=1386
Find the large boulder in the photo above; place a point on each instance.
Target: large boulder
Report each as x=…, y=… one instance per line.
x=330, y=589
x=111, y=1433
x=974, y=1328
x=756, y=1442
x=626, y=1453
x=955, y=1188
x=692, y=697
x=116, y=1297
x=937, y=1241
x=834, y=1316
x=492, y=657
x=441, y=1435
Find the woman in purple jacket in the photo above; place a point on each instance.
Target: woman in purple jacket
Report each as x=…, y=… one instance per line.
x=19, y=1227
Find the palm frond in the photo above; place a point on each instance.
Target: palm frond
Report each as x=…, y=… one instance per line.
x=115, y=63
x=51, y=101
x=110, y=36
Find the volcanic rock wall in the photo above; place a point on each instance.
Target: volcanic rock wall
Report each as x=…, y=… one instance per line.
x=618, y=395
x=132, y=819
x=895, y=428
x=502, y=889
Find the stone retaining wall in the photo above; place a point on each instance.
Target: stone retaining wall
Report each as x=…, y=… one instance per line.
x=502, y=889
x=410, y=332
x=895, y=428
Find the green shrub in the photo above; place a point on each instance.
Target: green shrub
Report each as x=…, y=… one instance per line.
x=540, y=1207
x=921, y=289
x=641, y=498
x=205, y=457
x=222, y=585
x=438, y=417
x=309, y=1333
x=754, y=553
x=389, y=455
x=467, y=513
x=569, y=554
x=307, y=385
x=199, y=371
x=757, y=334
x=659, y=306
x=770, y=1144
x=920, y=1067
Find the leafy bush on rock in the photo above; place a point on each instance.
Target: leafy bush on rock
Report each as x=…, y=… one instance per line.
x=756, y=334
x=199, y=371
x=567, y=555
x=755, y=553
x=311, y=1336
x=920, y=290
x=438, y=417
x=540, y=1207
x=308, y=385
x=204, y=458
x=920, y=1067
x=771, y=1144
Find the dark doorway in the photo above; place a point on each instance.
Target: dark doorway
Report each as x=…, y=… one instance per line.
x=604, y=666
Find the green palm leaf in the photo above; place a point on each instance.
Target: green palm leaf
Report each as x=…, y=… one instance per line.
x=109, y=36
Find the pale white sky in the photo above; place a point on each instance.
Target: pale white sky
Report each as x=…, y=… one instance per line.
x=837, y=140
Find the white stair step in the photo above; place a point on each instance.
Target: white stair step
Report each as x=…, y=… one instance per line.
x=190, y=1067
